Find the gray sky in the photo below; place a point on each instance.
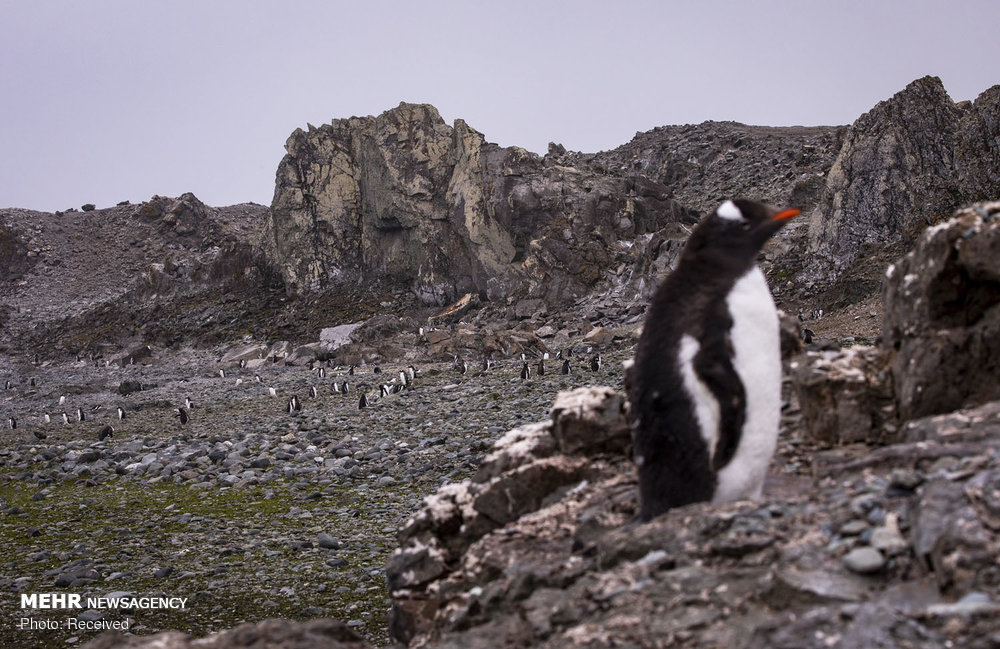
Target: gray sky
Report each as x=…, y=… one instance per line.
x=108, y=100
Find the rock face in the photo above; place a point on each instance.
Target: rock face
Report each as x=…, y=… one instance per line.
x=904, y=165
x=538, y=549
x=406, y=198
x=942, y=315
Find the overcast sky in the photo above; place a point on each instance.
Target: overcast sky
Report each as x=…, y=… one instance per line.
x=110, y=100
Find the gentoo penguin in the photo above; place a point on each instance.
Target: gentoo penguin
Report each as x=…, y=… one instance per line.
x=350, y=370
x=705, y=388
x=243, y=362
x=322, y=373
x=383, y=390
x=335, y=388
x=345, y=388
x=541, y=367
x=62, y=399
x=6, y=385
x=595, y=362
x=272, y=392
x=363, y=402
x=81, y=415
x=46, y=418
x=222, y=373
x=402, y=378
x=256, y=378
x=807, y=336
x=121, y=413
x=12, y=423
x=565, y=367
x=65, y=419
x=188, y=403
x=463, y=368
x=525, y=371
x=182, y=413
x=412, y=372
x=293, y=405
x=312, y=391
x=104, y=433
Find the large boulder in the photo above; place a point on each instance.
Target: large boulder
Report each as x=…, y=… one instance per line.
x=942, y=315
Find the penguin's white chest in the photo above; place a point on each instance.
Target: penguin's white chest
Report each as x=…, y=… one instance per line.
x=757, y=361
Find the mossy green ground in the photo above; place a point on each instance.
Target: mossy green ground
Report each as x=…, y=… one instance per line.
x=245, y=568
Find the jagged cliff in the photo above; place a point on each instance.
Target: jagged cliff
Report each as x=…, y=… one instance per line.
x=405, y=198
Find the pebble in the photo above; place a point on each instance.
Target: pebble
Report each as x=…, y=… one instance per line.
x=864, y=561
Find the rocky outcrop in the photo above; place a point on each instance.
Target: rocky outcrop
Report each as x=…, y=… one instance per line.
x=904, y=165
x=942, y=315
x=405, y=198
x=538, y=549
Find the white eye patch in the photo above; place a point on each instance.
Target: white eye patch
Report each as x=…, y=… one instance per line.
x=728, y=210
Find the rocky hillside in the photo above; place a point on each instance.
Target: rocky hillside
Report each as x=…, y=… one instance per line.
x=407, y=198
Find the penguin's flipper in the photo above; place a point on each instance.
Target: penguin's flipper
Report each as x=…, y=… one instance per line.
x=714, y=366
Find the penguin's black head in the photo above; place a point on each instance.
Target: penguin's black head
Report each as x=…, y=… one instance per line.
x=736, y=232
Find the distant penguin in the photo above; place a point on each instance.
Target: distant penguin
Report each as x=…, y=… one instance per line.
x=376, y=370
x=104, y=433
x=81, y=415
x=11, y=423
x=6, y=385
x=595, y=362
x=272, y=392
x=808, y=335
x=334, y=388
x=239, y=382
x=293, y=405
x=396, y=389
x=183, y=415
x=345, y=388
x=188, y=403
x=545, y=356
x=39, y=434
x=312, y=391
x=384, y=390
x=121, y=413
x=363, y=402
x=350, y=370
x=322, y=373
x=62, y=399
x=256, y=378
x=565, y=367
x=705, y=388
x=525, y=371
x=46, y=418
x=402, y=378
x=412, y=372
x=420, y=332
x=524, y=356
x=243, y=362
x=463, y=368
x=541, y=367
x=222, y=373
x=65, y=419
x=559, y=355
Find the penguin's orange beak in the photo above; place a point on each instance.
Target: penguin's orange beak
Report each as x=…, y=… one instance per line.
x=784, y=215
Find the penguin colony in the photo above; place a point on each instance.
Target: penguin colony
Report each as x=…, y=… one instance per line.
x=403, y=379
x=705, y=388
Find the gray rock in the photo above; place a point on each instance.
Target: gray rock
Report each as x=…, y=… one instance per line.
x=864, y=560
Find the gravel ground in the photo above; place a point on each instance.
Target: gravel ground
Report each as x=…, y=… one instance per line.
x=247, y=511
